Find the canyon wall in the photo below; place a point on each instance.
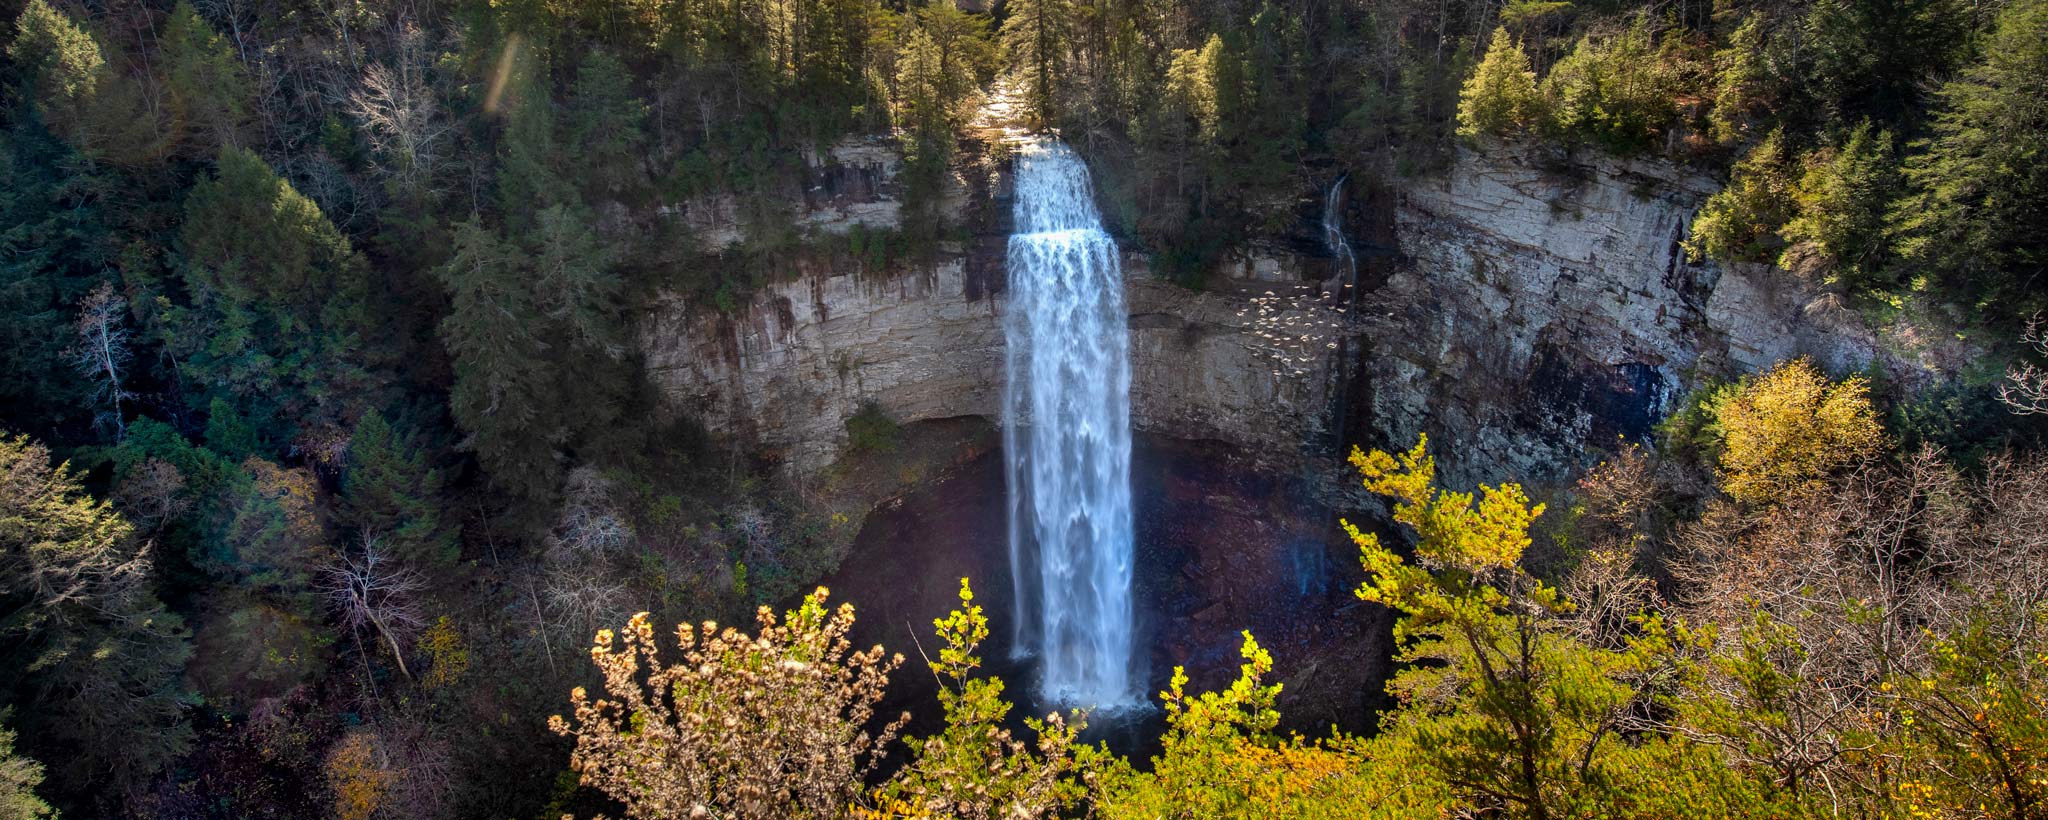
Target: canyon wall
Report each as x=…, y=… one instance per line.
x=1530, y=306
x=1544, y=304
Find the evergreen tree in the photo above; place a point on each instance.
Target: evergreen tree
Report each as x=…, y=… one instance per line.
x=1741, y=91
x=230, y=435
x=1036, y=37
x=504, y=376
x=69, y=74
x=278, y=309
x=528, y=177
x=271, y=537
x=1618, y=90
x=97, y=657
x=19, y=777
x=206, y=91
x=1191, y=87
x=1740, y=223
x=606, y=125
x=392, y=493
x=1500, y=99
x=54, y=247
x=1842, y=198
x=1977, y=208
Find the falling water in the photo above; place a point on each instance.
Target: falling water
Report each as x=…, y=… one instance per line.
x=1067, y=436
x=1333, y=231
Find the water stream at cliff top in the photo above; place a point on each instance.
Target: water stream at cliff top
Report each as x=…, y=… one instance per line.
x=1067, y=436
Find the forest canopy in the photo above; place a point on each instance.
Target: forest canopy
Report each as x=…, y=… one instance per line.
x=328, y=443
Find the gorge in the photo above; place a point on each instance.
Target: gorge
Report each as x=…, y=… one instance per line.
x=1530, y=312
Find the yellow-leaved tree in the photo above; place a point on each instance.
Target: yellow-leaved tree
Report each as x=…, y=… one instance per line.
x=1787, y=431
x=1503, y=710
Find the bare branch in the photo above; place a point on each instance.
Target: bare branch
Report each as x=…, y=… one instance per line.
x=370, y=590
x=102, y=354
x=2025, y=389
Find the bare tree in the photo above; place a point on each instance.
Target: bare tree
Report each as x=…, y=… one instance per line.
x=153, y=493
x=591, y=524
x=2025, y=389
x=368, y=589
x=102, y=352
x=398, y=111
x=578, y=599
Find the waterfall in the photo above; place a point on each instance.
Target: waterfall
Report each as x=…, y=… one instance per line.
x=1067, y=436
x=1333, y=230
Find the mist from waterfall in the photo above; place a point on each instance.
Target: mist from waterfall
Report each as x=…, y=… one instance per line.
x=1067, y=436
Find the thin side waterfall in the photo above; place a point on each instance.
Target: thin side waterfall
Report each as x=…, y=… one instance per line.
x=1067, y=436
x=1333, y=230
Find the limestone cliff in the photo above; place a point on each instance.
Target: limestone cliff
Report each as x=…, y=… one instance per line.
x=1529, y=307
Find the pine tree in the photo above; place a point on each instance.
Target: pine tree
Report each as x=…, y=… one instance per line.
x=391, y=493
x=1036, y=38
x=19, y=777
x=504, y=376
x=206, y=90
x=278, y=313
x=1978, y=202
x=1740, y=223
x=1842, y=198
x=606, y=125
x=56, y=247
x=96, y=656
x=64, y=62
x=1500, y=99
x=528, y=178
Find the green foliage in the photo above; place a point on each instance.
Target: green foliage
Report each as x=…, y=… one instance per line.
x=1222, y=759
x=943, y=56
x=19, y=776
x=97, y=656
x=1504, y=708
x=1976, y=723
x=869, y=430
x=504, y=379
x=391, y=493
x=1741, y=84
x=207, y=92
x=54, y=247
x=1191, y=86
x=1689, y=436
x=1036, y=38
x=1740, y=223
x=529, y=326
x=63, y=58
x=1620, y=90
x=1500, y=99
x=68, y=72
x=229, y=435
x=276, y=319
x=1841, y=200
x=247, y=652
x=607, y=125
x=975, y=769
x=1869, y=58
x=271, y=537
x=1972, y=220
x=1788, y=430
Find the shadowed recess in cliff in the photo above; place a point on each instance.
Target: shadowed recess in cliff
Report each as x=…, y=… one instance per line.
x=1067, y=436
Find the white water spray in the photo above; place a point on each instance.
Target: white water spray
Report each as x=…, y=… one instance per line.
x=1333, y=231
x=1067, y=436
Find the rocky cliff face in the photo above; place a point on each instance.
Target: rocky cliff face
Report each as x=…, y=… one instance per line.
x=1545, y=304
x=1532, y=307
